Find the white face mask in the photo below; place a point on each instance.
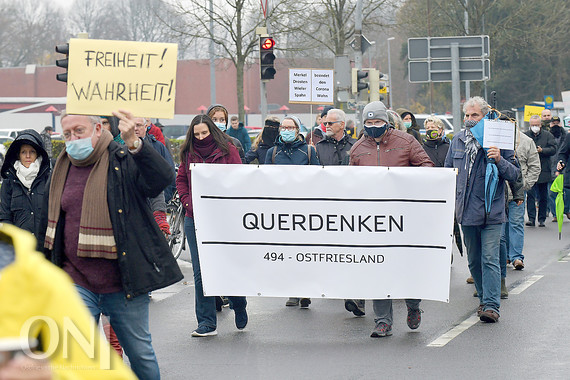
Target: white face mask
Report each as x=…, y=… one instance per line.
x=535, y=129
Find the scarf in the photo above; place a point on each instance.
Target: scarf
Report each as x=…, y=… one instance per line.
x=96, y=239
x=28, y=175
x=205, y=147
x=472, y=146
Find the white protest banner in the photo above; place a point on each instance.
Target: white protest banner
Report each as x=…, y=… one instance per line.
x=105, y=76
x=499, y=133
x=323, y=86
x=299, y=85
x=311, y=86
x=327, y=232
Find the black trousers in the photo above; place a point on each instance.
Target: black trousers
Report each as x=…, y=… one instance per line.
x=538, y=192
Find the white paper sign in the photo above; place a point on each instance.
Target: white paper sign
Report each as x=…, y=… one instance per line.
x=499, y=133
x=310, y=86
x=323, y=86
x=300, y=85
x=327, y=232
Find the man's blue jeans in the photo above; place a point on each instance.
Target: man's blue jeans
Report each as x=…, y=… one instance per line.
x=512, y=236
x=129, y=319
x=205, y=306
x=482, y=243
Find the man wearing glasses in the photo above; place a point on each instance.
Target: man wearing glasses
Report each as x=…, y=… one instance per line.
x=334, y=148
x=385, y=146
x=98, y=227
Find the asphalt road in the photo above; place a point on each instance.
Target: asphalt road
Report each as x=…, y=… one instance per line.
x=530, y=341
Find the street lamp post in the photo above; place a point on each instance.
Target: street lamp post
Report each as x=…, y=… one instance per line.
x=390, y=70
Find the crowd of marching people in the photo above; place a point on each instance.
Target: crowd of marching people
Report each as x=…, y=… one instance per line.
x=99, y=213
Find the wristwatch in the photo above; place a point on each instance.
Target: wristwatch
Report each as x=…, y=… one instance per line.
x=136, y=144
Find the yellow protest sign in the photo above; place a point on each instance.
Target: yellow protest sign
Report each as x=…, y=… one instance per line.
x=104, y=76
x=531, y=110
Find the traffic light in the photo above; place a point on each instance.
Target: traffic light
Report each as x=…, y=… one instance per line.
x=375, y=85
x=357, y=84
x=266, y=58
x=62, y=49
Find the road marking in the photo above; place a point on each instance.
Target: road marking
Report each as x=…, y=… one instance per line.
x=522, y=287
x=565, y=259
x=169, y=291
x=454, y=332
x=463, y=326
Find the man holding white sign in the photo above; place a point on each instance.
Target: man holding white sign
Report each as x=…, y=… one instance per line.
x=480, y=202
x=384, y=146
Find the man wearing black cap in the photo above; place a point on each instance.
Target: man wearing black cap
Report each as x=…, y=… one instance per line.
x=385, y=146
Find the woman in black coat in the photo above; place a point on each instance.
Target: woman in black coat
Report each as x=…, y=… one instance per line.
x=25, y=172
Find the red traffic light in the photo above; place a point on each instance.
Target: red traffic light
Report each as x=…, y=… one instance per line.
x=267, y=43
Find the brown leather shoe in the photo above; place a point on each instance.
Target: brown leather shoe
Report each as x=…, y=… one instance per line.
x=518, y=264
x=489, y=316
x=480, y=310
x=470, y=280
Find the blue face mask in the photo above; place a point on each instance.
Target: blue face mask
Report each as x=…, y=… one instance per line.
x=222, y=126
x=407, y=124
x=287, y=135
x=80, y=149
x=375, y=132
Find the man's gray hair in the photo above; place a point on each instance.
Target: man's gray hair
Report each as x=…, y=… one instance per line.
x=92, y=118
x=340, y=115
x=478, y=102
x=535, y=117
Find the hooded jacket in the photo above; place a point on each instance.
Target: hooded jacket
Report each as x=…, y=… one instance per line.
x=293, y=153
x=19, y=205
x=414, y=130
x=33, y=288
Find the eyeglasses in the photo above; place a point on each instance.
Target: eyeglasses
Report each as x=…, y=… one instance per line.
x=330, y=123
x=288, y=128
x=377, y=123
x=77, y=132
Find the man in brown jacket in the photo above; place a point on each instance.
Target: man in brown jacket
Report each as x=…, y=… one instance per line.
x=385, y=146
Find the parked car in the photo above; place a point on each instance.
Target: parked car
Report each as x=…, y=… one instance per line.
x=10, y=132
x=3, y=149
x=253, y=131
x=174, y=131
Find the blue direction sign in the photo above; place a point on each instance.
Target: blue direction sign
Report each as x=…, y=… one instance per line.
x=548, y=102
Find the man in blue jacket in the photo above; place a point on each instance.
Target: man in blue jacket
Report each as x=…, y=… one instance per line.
x=481, y=225
x=238, y=131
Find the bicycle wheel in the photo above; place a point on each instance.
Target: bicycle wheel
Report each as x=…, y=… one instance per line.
x=177, y=239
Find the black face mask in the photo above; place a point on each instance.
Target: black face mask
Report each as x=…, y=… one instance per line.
x=269, y=135
x=556, y=130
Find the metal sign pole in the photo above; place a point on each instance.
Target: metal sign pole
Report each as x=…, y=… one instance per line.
x=455, y=87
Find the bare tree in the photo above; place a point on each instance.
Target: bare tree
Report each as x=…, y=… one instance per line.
x=30, y=31
x=235, y=22
x=329, y=24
